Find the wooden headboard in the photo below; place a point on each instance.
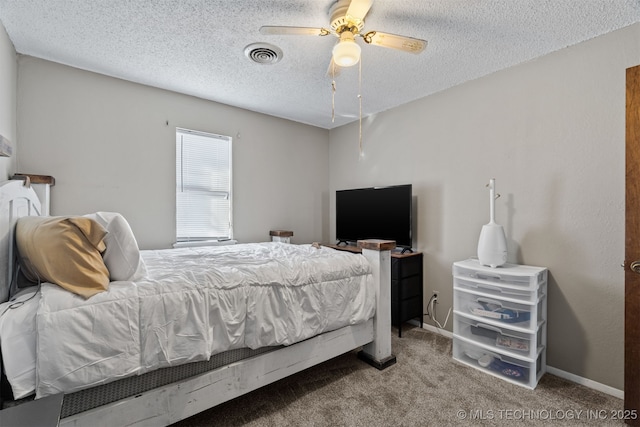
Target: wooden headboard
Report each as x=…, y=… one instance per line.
x=16, y=200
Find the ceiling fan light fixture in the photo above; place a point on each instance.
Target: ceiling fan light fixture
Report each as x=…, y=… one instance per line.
x=347, y=52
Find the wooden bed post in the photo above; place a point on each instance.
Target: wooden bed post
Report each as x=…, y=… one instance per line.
x=378, y=253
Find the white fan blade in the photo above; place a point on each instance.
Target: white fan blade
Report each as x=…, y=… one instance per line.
x=358, y=9
x=293, y=31
x=393, y=41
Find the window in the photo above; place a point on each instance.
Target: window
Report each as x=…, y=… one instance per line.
x=203, y=186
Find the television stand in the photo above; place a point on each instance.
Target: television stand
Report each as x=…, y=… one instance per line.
x=347, y=244
x=406, y=288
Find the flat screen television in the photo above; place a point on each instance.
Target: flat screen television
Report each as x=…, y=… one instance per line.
x=374, y=213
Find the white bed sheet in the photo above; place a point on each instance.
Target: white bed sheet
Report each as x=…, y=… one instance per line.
x=18, y=341
x=196, y=302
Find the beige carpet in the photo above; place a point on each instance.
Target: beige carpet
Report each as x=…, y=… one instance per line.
x=425, y=388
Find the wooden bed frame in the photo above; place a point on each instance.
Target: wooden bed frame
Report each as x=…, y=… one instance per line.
x=171, y=403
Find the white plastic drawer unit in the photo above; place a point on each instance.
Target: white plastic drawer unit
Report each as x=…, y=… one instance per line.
x=500, y=312
x=500, y=320
x=489, y=289
x=517, y=371
x=523, y=276
x=500, y=339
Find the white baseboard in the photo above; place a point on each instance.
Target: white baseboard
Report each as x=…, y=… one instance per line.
x=550, y=369
x=586, y=382
x=433, y=329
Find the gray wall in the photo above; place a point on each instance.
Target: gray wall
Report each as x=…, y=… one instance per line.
x=108, y=145
x=8, y=79
x=552, y=133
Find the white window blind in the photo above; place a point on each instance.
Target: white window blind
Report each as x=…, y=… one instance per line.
x=203, y=186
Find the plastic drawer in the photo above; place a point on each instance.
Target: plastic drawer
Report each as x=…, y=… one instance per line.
x=500, y=312
x=503, y=291
x=526, y=277
x=495, y=338
x=510, y=369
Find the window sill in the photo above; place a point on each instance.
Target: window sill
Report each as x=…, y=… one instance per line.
x=204, y=243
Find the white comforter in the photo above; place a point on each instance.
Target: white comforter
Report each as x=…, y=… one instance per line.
x=196, y=302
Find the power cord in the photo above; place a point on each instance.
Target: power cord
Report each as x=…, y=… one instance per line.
x=15, y=303
x=431, y=312
x=13, y=300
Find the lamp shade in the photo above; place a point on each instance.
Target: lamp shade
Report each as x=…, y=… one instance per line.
x=347, y=52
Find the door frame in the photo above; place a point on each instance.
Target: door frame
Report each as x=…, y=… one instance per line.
x=632, y=247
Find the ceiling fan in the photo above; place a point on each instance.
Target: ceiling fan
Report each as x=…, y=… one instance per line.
x=347, y=23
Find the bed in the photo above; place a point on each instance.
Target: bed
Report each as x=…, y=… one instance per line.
x=194, y=328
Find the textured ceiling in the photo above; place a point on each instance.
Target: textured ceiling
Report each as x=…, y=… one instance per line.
x=197, y=47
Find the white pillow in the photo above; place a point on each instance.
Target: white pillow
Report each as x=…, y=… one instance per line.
x=122, y=256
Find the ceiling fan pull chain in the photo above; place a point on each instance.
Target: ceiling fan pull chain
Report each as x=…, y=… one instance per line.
x=360, y=101
x=333, y=101
x=333, y=91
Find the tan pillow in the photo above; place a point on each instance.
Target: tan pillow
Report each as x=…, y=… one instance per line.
x=65, y=251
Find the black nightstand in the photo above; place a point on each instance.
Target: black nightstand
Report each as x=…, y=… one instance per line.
x=406, y=288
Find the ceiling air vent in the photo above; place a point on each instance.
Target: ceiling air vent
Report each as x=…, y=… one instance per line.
x=263, y=53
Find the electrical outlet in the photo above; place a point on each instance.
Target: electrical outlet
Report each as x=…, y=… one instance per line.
x=434, y=297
